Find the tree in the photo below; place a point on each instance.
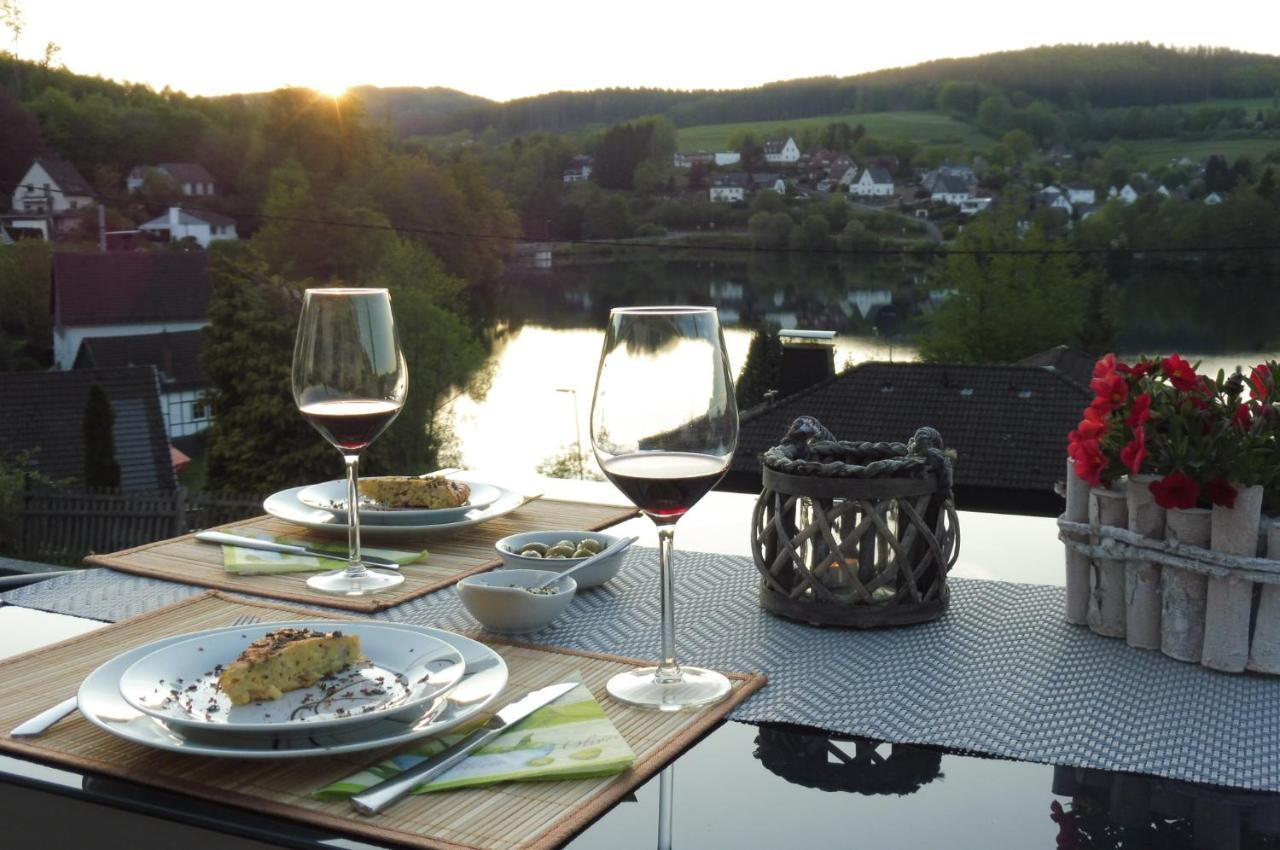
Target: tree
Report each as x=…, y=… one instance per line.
x=1019, y=143
x=1007, y=306
x=810, y=235
x=762, y=370
x=26, y=328
x=19, y=143
x=769, y=230
x=647, y=179
x=98, y=427
x=1218, y=176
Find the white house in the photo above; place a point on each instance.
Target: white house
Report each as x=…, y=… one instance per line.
x=872, y=182
x=51, y=185
x=1128, y=194
x=176, y=357
x=1213, y=199
x=727, y=157
x=203, y=227
x=950, y=189
x=727, y=188
x=579, y=170
x=1078, y=193
x=191, y=178
x=126, y=293
x=1054, y=200
x=689, y=160
x=973, y=206
x=772, y=182
x=781, y=151
x=866, y=300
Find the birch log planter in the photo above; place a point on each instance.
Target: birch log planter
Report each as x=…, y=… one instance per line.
x=1183, y=591
x=1142, y=577
x=1077, y=562
x=1264, y=652
x=1229, y=602
x=1106, y=600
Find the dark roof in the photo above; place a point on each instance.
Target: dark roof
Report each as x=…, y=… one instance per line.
x=188, y=217
x=950, y=184
x=44, y=413
x=175, y=355
x=878, y=174
x=69, y=180
x=186, y=172
x=129, y=286
x=1007, y=423
x=740, y=180
x=775, y=146
x=765, y=179
x=1071, y=363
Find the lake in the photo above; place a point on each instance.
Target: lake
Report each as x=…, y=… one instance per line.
x=548, y=331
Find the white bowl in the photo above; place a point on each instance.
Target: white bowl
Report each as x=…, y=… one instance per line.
x=596, y=574
x=498, y=599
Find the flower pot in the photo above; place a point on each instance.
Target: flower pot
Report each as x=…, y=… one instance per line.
x=1141, y=577
x=1106, y=601
x=1077, y=562
x=1264, y=652
x=1229, y=602
x=1182, y=591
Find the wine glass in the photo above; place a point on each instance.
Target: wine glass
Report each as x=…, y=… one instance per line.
x=664, y=425
x=350, y=382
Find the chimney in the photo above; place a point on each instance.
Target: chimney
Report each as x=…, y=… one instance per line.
x=808, y=357
x=175, y=216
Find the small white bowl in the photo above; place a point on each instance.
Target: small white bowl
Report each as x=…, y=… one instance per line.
x=498, y=599
x=596, y=574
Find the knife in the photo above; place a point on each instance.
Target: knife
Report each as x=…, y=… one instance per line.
x=271, y=546
x=376, y=798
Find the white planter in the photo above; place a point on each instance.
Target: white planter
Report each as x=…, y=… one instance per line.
x=1106, y=600
x=1264, y=651
x=1183, y=591
x=1077, y=562
x=1229, y=602
x=1142, y=578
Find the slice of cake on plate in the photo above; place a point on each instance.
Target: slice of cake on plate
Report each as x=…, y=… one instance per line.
x=285, y=660
x=403, y=491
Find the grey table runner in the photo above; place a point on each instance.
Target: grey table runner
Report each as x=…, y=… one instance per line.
x=1001, y=673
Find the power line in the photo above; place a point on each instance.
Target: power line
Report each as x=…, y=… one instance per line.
x=921, y=250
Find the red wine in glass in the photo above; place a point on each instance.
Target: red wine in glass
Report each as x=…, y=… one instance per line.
x=665, y=485
x=353, y=424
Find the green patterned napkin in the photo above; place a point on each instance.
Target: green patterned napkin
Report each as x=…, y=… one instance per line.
x=248, y=562
x=571, y=738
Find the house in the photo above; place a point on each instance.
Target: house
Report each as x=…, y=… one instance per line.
x=772, y=181
x=781, y=151
x=727, y=157
x=874, y=181
x=176, y=357
x=1072, y=363
x=688, y=160
x=52, y=185
x=965, y=173
x=204, y=227
x=126, y=294
x=190, y=178
x=43, y=415
x=973, y=206
x=848, y=175
x=727, y=188
x=1054, y=199
x=1007, y=424
x=1213, y=199
x=950, y=189
x=579, y=170
x=1078, y=193
x=1127, y=195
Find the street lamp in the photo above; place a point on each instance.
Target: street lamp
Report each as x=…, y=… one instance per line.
x=577, y=427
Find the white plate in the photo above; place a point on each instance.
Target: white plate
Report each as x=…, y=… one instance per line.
x=331, y=496
x=285, y=505
x=100, y=702
x=178, y=682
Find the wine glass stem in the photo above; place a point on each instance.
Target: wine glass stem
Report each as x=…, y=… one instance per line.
x=668, y=670
x=355, y=566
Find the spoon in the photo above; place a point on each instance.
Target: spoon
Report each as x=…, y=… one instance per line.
x=603, y=553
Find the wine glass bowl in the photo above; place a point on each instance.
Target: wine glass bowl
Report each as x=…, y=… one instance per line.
x=664, y=426
x=350, y=382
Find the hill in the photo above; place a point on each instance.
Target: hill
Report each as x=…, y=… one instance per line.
x=920, y=126
x=411, y=111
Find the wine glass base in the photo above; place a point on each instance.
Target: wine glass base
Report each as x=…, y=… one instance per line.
x=696, y=687
x=366, y=583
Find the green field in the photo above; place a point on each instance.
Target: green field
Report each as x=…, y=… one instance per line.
x=1153, y=153
x=921, y=127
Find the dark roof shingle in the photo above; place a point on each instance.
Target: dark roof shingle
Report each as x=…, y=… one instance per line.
x=43, y=413
x=69, y=180
x=186, y=172
x=126, y=287
x=1008, y=424
x=175, y=355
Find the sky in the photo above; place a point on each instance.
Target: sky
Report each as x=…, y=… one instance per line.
x=503, y=49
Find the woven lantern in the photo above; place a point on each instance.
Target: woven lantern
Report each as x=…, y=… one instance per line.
x=855, y=534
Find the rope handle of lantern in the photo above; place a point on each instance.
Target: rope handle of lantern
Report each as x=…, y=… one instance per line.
x=1121, y=543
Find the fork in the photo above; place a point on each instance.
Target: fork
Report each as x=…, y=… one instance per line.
x=42, y=722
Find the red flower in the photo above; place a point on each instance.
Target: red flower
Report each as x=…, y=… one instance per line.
x=1089, y=461
x=1180, y=373
x=1105, y=366
x=1135, y=371
x=1140, y=414
x=1242, y=418
x=1175, y=490
x=1112, y=391
x=1135, y=452
x=1258, y=381
x=1221, y=492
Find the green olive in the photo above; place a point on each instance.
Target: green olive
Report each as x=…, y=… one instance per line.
x=582, y=552
x=540, y=548
x=568, y=543
x=531, y=553
x=591, y=545
x=565, y=551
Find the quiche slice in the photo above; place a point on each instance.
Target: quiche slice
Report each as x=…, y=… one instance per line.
x=285, y=660
x=402, y=491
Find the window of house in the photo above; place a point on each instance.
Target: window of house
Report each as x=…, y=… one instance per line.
x=197, y=409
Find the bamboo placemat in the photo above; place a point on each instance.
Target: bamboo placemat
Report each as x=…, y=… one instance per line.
x=513, y=816
x=187, y=560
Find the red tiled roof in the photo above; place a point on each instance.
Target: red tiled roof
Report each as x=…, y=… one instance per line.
x=128, y=286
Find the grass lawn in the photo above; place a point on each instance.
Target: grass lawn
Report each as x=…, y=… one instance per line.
x=1157, y=152
x=919, y=126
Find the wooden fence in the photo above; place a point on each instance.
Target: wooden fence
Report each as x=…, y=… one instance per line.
x=62, y=526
